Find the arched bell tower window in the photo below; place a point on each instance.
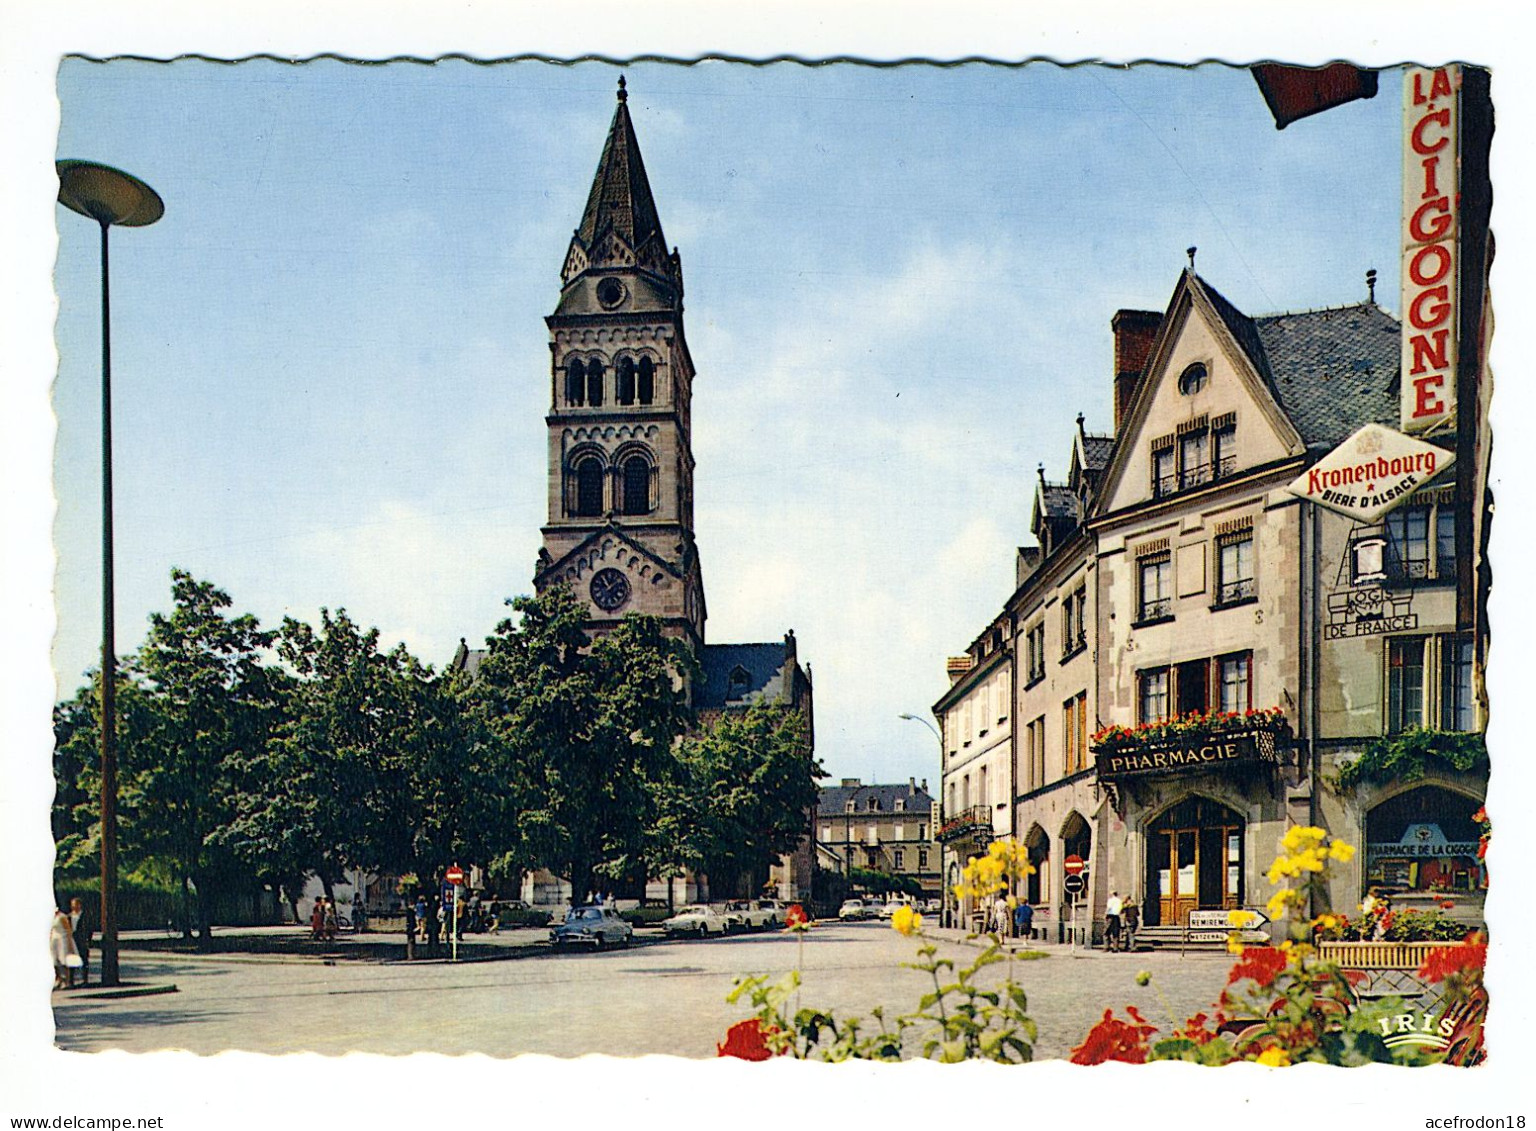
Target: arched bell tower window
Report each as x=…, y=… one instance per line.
x=589, y=487
x=647, y=380
x=576, y=383
x=625, y=389
x=637, y=485
x=595, y=383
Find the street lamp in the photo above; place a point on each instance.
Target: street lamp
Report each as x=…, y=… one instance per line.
x=108, y=196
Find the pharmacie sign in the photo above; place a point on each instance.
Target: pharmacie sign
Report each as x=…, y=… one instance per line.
x=1431, y=218
x=1371, y=472
x=1196, y=752
x=1423, y=841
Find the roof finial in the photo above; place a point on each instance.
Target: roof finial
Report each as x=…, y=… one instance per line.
x=1190, y=251
x=1370, y=283
x=1040, y=471
x=1080, y=421
x=623, y=96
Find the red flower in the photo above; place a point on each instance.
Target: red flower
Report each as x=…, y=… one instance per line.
x=1195, y=1030
x=1462, y=960
x=1447, y=904
x=1112, y=1039
x=796, y=917
x=1261, y=963
x=745, y=1040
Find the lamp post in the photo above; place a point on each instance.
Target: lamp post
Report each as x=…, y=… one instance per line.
x=108, y=196
x=943, y=889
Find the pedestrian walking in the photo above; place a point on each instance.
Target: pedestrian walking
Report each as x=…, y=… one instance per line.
x=421, y=918
x=435, y=923
x=317, y=918
x=1130, y=919
x=1112, y=910
x=1000, y=916
x=1024, y=920
x=330, y=919
x=80, y=931
x=61, y=944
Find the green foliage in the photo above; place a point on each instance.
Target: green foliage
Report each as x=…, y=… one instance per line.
x=1410, y=755
x=523, y=917
x=588, y=726
x=958, y=1020
x=740, y=795
x=883, y=883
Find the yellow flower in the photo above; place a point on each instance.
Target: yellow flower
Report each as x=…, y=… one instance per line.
x=1280, y=902
x=1234, y=944
x=1274, y=1057
x=1239, y=918
x=1341, y=852
x=906, y=921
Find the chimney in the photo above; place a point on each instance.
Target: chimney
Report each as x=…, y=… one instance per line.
x=1134, y=331
x=850, y=783
x=925, y=785
x=957, y=666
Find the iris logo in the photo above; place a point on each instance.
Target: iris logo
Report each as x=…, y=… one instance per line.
x=1422, y=1028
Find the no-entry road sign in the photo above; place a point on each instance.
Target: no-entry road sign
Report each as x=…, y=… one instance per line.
x=1072, y=865
x=455, y=875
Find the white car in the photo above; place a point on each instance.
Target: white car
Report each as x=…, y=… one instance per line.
x=750, y=914
x=894, y=905
x=855, y=909
x=697, y=919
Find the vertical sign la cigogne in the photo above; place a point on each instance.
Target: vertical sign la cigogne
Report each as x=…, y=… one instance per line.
x=1431, y=203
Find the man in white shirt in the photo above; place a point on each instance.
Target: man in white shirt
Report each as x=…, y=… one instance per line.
x=1112, y=910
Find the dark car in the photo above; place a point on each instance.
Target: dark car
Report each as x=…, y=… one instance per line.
x=593, y=926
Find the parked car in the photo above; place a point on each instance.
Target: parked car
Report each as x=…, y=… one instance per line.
x=891, y=906
x=697, y=919
x=854, y=910
x=749, y=915
x=592, y=926
x=778, y=911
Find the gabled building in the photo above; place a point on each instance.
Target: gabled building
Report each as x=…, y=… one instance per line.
x=879, y=828
x=1287, y=637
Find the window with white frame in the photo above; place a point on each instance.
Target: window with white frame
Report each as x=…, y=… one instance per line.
x=1154, y=599
x=1234, y=568
x=1458, y=710
x=1152, y=695
x=1236, y=674
x=1405, y=683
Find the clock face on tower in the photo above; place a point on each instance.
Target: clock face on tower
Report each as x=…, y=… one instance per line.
x=610, y=590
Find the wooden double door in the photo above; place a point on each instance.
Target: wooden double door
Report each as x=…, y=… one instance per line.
x=1195, y=861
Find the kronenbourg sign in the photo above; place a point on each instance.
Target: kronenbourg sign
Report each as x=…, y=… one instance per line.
x=1431, y=203
x=1373, y=471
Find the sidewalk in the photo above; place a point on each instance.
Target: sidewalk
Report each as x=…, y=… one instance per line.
x=287, y=943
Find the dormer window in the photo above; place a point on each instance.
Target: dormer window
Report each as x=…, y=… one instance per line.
x=739, y=680
x=1193, y=380
x=874, y=804
x=848, y=808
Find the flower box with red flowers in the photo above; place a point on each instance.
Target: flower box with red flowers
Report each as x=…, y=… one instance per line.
x=1197, y=741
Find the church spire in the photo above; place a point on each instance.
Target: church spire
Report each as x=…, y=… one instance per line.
x=620, y=202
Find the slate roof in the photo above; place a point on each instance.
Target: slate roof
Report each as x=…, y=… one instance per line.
x=832, y=800
x=621, y=194
x=1058, y=500
x=1334, y=370
x=1096, y=452
x=763, y=667
x=467, y=659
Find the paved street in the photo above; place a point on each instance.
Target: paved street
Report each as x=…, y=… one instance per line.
x=662, y=997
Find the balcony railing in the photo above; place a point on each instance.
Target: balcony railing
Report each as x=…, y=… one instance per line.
x=1165, y=485
x=1156, y=608
x=1231, y=592
x=974, y=823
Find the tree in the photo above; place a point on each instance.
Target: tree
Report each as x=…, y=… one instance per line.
x=211, y=704
x=751, y=778
x=589, y=727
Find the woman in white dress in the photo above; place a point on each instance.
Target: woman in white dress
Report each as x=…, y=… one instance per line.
x=61, y=943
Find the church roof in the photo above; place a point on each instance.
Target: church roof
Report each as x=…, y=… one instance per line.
x=740, y=674
x=620, y=199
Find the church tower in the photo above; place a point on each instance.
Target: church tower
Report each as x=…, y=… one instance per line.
x=620, y=526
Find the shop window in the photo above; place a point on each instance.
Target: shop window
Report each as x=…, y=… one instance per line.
x=1424, y=841
x=1405, y=683
x=1152, y=695
x=1234, y=569
x=1155, y=588
x=1236, y=675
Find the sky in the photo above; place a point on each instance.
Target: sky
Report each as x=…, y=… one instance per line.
x=331, y=368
